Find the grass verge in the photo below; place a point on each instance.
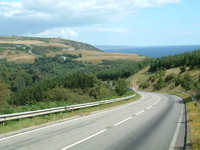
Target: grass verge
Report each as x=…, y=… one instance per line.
x=193, y=112
x=194, y=123
x=29, y=122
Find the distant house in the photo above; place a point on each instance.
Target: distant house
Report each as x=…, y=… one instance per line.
x=68, y=49
x=64, y=57
x=18, y=46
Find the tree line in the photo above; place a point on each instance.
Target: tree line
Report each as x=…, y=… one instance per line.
x=123, y=70
x=189, y=59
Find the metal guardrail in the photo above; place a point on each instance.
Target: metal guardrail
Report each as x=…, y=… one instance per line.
x=15, y=116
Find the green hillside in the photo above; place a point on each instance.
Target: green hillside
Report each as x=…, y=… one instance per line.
x=179, y=75
x=176, y=73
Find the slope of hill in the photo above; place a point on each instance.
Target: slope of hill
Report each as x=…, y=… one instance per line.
x=179, y=75
x=167, y=80
x=184, y=84
x=56, y=42
x=98, y=57
x=179, y=72
x=26, y=49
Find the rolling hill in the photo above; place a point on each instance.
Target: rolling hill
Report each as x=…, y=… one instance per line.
x=26, y=49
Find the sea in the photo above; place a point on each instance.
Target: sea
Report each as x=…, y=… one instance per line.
x=149, y=51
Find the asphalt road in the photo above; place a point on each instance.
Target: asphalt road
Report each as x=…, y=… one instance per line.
x=156, y=122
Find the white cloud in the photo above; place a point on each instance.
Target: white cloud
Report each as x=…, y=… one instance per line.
x=113, y=29
x=9, y=9
x=38, y=15
x=56, y=32
x=79, y=8
x=71, y=33
x=153, y=3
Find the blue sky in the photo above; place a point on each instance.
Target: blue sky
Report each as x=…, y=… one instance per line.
x=105, y=22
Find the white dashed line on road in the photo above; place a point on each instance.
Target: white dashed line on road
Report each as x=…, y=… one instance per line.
x=149, y=107
x=122, y=121
x=139, y=112
x=72, y=145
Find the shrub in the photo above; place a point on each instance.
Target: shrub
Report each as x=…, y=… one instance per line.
x=170, y=77
x=178, y=81
x=187, y=77
x=58, y=94
x=4, y=94
x=102, y=91
x=153, y=78
x=159, y=84
x=121, y=86
x=187, y=84
x=144, y=85
x=183, y=69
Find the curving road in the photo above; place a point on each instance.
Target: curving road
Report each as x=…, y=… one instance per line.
x=156, y=122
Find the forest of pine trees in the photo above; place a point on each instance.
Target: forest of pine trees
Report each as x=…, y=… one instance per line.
x=189, y=59
x=63, y=79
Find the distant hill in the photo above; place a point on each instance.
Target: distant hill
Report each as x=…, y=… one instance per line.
x=57, y=42
x=26, y=49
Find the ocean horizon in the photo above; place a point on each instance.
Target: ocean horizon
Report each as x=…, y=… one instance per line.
x=149, y=51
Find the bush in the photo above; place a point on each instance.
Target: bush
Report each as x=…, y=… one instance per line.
x=161, y=73
x=58, y=94
x=187, y=77
x=121, y=86
x=178, y=81
x=170, y=77
x=98, y=92
x=183, y=69
x=4, y=94
x=188, y=85
x=153, y=78
x=197, y=96
x=144, y=85
x=159, y=84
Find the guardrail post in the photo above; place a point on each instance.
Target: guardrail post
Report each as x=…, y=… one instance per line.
x=193, y=99
x=65, y=108
x=3, y=123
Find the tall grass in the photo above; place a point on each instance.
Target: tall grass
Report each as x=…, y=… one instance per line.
x=194, y=123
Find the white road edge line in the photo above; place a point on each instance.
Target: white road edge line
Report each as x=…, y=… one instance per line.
x=173, y=142
x=139, y=112
x=122, y=121
x=65, y=148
